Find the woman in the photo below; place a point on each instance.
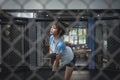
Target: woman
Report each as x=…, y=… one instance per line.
x=60, y=51
x=58, y=47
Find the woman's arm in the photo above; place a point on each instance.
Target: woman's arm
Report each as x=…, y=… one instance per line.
x=80, y=51
x=56, y=62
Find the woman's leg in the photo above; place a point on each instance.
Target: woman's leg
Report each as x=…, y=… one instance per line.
x=68, y=72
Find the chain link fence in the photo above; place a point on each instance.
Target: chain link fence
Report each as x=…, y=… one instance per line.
x=24, y=35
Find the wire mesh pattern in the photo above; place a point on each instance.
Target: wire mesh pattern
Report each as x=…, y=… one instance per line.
x=24, y=38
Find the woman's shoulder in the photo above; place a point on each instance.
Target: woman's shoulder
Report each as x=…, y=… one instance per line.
x=61, y=43
x=51, y=37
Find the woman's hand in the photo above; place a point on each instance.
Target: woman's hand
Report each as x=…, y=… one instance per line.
x=80, y=51
x=56, y=62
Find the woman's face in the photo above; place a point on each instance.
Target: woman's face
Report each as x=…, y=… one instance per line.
x=54, y=30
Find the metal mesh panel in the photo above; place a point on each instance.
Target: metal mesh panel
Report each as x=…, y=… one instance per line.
x=24, y=33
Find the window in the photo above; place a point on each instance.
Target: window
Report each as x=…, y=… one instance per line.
x=77, y=34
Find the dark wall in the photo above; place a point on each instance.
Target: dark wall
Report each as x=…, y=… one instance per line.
x=114, y=47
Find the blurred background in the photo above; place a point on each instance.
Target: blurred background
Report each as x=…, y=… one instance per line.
x=24, y=38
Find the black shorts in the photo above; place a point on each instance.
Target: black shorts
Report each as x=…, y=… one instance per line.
x=72, y=63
